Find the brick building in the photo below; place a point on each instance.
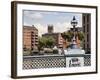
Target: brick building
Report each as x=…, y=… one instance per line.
x=57, y=36
x=30, y=37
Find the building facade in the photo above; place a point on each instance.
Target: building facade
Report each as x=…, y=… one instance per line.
x=86, y=24
x=30, y=37
x=57, y=36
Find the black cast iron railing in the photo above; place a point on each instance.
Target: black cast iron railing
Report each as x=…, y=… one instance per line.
x=51, y=61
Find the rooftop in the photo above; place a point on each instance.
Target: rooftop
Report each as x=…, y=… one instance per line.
x=30, y=27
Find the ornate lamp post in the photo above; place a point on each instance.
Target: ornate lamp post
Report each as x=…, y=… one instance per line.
x=74, y=24
x=74, y=51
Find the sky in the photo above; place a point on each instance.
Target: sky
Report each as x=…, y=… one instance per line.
x=41, y=20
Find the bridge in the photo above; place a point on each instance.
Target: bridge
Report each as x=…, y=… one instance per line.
x=56, y=61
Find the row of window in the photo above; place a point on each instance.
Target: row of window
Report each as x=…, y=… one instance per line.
x=34, y=44
x=86, y=28
x=86, y=18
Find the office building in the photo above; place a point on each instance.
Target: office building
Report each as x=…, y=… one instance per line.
x=30, y=37
x=86, y=24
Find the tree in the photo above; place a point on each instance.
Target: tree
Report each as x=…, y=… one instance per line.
x=46, y=42
x=80, y=36
x=50, y=42
x=42, y=43
x=67, y=35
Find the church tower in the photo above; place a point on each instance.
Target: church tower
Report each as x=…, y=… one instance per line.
x=50, y=28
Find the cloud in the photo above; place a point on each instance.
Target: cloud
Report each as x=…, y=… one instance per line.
x=33, y=15
x=49, y=13
x=58, y=27
x=60, y=23
x=37, y=16
x=41, y=28
x=61, y=27
x=27, y=24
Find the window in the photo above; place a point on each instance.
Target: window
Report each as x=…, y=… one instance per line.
x=88, y=17
x=83, y=28
x=84, y=19
x=88, y=27
x=87, y=37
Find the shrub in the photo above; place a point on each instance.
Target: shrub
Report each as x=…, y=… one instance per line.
x=55, y=51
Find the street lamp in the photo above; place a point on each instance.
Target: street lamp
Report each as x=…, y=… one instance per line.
x=74, y=24
x=74, y=50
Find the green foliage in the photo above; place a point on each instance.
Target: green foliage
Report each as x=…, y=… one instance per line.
x=69, y=34
x=42, y=42
x=27, y=52
x=46, y=42
x=50, y=42
x=55, y=51
x=80, y=35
